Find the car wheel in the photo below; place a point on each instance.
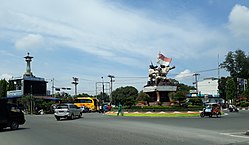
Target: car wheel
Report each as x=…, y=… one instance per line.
x=202, y=114
x=1, y=128
x=72, y=117
x=80, y=115
x=57, y=118
x=14, y=125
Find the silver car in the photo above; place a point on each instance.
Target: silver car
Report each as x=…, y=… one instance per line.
x=67, y=110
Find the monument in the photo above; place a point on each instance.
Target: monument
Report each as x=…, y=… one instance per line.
x=159, y=85
x=28, y=83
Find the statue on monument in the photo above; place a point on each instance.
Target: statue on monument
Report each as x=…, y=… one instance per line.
x=158, y=75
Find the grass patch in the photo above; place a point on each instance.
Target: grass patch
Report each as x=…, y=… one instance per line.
x=158, y=114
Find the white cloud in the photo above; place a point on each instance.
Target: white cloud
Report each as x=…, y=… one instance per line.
x=184, y=75
x=6, y=76
x=30, y=41
x=239, y=21
x=107, y=30
x=113, y=34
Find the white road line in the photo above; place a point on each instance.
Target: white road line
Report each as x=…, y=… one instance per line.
x=236, y=134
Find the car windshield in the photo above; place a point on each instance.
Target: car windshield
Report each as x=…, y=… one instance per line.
x=62, y=107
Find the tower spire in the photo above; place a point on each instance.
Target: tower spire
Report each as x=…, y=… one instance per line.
x=28, y=59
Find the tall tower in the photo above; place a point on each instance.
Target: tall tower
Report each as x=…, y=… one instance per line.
x=28, y=59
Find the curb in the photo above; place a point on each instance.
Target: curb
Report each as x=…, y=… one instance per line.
x=247, y=109
x=162, y=112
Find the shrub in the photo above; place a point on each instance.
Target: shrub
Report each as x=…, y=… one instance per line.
x=244, y=104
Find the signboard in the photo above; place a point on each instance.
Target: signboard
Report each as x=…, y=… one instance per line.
x=160, y=88
x=14, y=93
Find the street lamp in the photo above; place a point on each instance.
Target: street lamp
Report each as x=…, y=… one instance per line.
x=75, y=82
x=111, y=77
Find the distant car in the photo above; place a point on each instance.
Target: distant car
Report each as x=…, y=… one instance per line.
x=11, y=116
x=67, y=110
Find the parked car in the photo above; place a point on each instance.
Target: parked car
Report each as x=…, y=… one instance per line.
x=11, y=116
x=67, y=110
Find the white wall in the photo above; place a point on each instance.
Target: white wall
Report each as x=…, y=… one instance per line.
x=208, y=86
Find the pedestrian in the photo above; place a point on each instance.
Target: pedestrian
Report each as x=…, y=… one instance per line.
x=120, y=110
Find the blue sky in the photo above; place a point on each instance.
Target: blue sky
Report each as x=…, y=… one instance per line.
x=90, y=39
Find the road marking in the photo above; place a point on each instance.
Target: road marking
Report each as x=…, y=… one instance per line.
x=236, y=134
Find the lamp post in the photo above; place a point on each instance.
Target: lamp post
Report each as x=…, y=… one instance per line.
x=111, y=77
x=75, y=82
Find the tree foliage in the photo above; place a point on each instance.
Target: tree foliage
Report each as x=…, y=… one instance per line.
x=184, y=88
x=222, y=87
x=180, y=96
x=237, y=63
x=230, y=89
x=104, y=97
x=3, y=88
x=125, y=95
x=84, y=95
x=143, y=97
x=195, y=101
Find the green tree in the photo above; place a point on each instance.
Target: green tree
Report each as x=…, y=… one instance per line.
x=172, y=96
x=11, y=85
x=180, y=97
x=104, y=97
x=143, y=97
x=125, y=95
x=230, y=89
x=195, y=101
x=222, y=88
x=3, y=88
x=184, y=88
x=84, y=95
x=237, y=63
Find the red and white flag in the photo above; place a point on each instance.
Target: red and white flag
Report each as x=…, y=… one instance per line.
x=162, y=60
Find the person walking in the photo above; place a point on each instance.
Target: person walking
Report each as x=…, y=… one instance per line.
x=120, y=110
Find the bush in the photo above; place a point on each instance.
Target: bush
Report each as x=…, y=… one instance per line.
x=244, y=104
x=195, y=101
x=160, y=108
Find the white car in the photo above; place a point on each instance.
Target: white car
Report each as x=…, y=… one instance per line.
x=67, y=110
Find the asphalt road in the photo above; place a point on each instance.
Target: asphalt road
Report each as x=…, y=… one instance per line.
x=99, y=129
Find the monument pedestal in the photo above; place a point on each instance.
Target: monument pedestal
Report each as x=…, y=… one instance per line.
x=159, y=94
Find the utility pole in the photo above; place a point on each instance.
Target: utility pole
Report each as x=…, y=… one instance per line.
x=218, y=66
x=103, y=87
x=75, y=82
x=52, y=87
x=111, y=77
x=245, y=84
x=31, y=100
x=196, y=82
